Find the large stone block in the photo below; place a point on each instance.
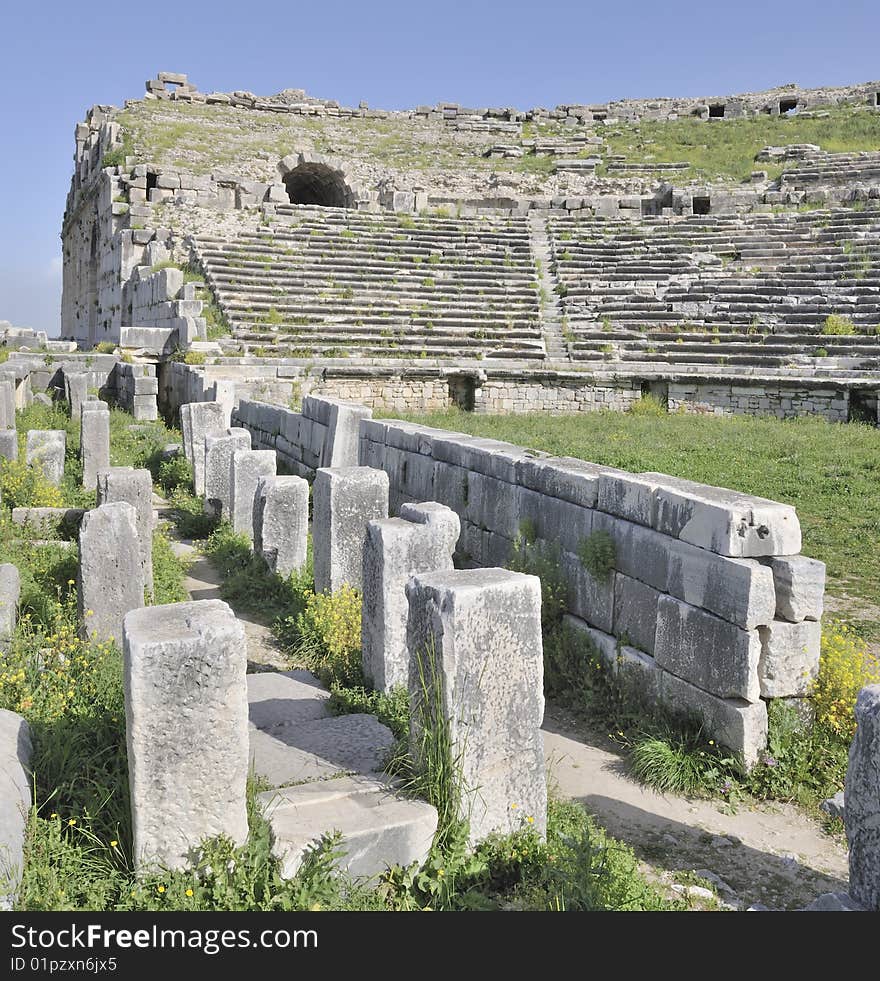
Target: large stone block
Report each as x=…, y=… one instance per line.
x=639, y=552
x=707, y=651
x=476, y=664
x=218, y=469
x=281, y=522
x=76, y=391
x=723, y=521
x=94, y=441
x=187, y=727
x=204, y=418
x=246, y=469
x=589, y=598
x=10, y=591
x=421, y=540
x=343, y=430
x=110, y=579
x=8, y=444
x=344, y=501
x=45, y=448
x=789, y=660
x=15, y=801
x=800, y=587
x=735, y=723
x=738, y=590
x=134, y=487
x=628, y=495
x=635, y=612
x=862, y=816
x=551, y=519
x=7, y=403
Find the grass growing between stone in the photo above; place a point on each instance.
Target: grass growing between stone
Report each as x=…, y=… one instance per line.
x=828, y=471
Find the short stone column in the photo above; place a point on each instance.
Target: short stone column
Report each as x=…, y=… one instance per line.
x=218, y=469
x=476, y=665
x=76, y=391
x=9, y=444
x=45, y=449
x=344, y=500
x=134, y=487
x=7, y=403
x=110, y=581
x=94, y=441
x=196, y=420
x=186, y=719
x=15, y=801
x=10, y=592
x=247, y=468
x=862, y=801
x=421, y=540
x=281, y=522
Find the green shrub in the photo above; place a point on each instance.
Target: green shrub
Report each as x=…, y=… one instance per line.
x=835, y=324
x=329, y=629
x=598, y=555
x=194, y=357
x=175, y=472
x=105, y=347
x=648, y=405
x=845, y=667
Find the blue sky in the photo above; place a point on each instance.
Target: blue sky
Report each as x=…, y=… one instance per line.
x=57, y=59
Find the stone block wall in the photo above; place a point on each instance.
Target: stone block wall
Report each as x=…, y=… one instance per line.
x=760, y=398
x=692, y=606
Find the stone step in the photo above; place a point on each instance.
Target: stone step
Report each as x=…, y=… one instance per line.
x=379, y=826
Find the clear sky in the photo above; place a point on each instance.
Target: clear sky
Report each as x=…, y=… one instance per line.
x=59, y=58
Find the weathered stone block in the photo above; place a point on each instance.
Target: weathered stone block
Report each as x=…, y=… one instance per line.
x=789, y=657
x=281, y=522
x=94, y=441
x=110, y=579
x=862, y=793
x=15, y=801
x=187, y=728
x=10, y=591
x=8, y=444
x=476, y=660
x=628, y=495
x=735, y=723
x=738, y=590
x=246, y=469
x=421, y=540
x=7, y=403
x=202, y=418
x=723, y=521
x=589, y=598
x=635, y=612
x=344, y=500
x=218, y=469
x=639, y=552
x=45, y=448
x=707, y=651
x=134, y=487
x=76, y=390
x=800, y=587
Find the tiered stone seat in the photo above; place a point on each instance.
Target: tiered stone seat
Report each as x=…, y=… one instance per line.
x=332, y=281
x=726, y=289
x=821, y=168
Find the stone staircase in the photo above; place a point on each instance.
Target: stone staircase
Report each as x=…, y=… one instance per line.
x=326, y=775
x=819, y=168
x=327, y=281
x=551, y=308
x=721, y=290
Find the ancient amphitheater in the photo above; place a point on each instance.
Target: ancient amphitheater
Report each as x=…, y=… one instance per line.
x=276, y=276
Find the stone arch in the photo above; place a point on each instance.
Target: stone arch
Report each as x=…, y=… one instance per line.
x=314, y=179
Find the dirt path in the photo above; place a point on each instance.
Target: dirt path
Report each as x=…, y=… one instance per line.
x=773, y=855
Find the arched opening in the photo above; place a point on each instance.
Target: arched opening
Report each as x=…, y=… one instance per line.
x=315, y=183
x=788, y=107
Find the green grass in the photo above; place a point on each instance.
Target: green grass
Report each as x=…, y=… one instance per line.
x=829, y=472
x=727, y=148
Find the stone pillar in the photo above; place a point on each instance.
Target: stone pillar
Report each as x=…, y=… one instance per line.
x=94, y=441
x=281, y=522
x=110, y=581
x=8, y=444
x=421, y=540
x=134, y=487
x=15, y=801
x=862, y=801
x=10, y=590
x=186, y=719
x=7, y=402
x=344, y=500
x=196, y=420
x=45, y=449
x=247, y=468
x=76, y=390
x=218, y=469
x=476, y=662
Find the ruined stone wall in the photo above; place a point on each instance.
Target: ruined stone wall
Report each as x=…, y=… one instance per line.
x=762, y=398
